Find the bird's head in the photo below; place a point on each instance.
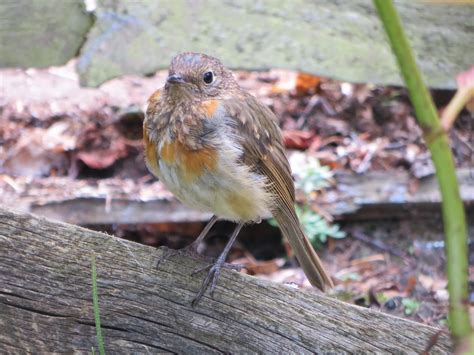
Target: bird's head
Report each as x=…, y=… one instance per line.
x=198, y=75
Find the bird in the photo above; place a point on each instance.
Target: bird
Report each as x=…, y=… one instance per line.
x=218, y=149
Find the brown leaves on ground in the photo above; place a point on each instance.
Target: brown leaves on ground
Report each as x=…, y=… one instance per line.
x=40, y=152
x=347, y=126
x=306, y=84
x=378, y=280
x=100, y=148
x=360, y=127
x=300, y=140
x=46, y=132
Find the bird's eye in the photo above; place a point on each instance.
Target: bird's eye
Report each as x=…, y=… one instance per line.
x=208, y=77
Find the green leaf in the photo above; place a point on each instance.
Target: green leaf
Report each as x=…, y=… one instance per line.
x=317, y=228
x=309, y=174
x=410, y=305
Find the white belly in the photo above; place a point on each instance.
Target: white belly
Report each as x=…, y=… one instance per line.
x=231, y=192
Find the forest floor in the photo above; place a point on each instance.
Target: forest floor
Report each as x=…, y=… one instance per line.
x=52, y=128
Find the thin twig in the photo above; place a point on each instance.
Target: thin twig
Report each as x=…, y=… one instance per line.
x=377, y=244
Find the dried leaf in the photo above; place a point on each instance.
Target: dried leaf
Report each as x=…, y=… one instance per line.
x=432, y=284
x=286, y=82
x=104, y=158
x=38, y=153
x=298, y=139
x=411, y=283
x=306, y=84
x=255, y=267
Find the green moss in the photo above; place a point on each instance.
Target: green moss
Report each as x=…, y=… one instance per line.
x=102, y=70
x=38, y=33
x=321, y=37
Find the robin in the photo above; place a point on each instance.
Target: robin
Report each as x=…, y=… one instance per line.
x=218, y=149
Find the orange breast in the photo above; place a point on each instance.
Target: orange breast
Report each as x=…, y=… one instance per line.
x=192, y=163
x=155, y=96
x=210, y=107
x=150, y=154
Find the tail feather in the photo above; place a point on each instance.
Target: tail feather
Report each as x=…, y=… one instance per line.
x=304, y=251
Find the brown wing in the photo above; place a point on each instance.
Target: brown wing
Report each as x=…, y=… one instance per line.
x=259, y=133
x=256, y=127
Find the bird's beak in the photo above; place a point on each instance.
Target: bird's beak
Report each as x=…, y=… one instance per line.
x=175, y=79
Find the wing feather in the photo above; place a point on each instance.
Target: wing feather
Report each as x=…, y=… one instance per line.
x=257, y=129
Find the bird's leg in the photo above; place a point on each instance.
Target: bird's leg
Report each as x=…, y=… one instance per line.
x=215, y=268
x=191, y=249
x=194, y=245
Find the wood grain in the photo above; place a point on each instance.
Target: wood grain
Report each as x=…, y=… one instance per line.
x=46, y=303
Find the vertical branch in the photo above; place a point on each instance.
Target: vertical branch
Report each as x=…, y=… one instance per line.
x=437, y=142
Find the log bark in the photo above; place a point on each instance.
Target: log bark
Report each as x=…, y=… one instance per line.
x=46, y=303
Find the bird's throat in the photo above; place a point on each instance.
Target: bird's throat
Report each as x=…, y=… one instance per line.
x=179, y=92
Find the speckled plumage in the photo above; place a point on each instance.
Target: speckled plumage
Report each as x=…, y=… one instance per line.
x=218, y=149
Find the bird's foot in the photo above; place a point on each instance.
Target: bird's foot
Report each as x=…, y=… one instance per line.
x=212, y=277
x=190, y=250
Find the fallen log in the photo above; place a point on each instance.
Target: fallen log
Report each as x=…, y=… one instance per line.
x=372, y=196
x=46, y=303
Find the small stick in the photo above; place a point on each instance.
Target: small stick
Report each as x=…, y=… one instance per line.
x=359, y=235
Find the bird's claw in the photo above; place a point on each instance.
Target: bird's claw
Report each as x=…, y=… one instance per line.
x=190, y=251
x=210, y=281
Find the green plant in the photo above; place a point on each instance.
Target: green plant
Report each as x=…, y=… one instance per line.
x=310, y=177
x=316, y=227
x=382, y=297
x=437, y=142
x=95, y=301
x=410, y=306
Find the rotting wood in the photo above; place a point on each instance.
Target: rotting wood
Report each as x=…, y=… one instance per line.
x=46, y=303
x=374, y=195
